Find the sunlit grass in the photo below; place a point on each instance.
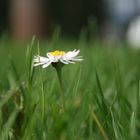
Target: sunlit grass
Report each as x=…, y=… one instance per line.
x=102, y=93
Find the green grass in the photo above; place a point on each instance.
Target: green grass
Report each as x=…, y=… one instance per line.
x=102, y=93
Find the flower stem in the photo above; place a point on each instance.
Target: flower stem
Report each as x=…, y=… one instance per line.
x=59, y=74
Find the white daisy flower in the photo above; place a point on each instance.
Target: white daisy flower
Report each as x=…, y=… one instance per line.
x=57, y=56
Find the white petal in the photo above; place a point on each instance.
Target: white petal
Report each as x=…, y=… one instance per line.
x=69, y=61
x=78, y=57
x=40, y=59
x=46, y=65
x=71, y=54
x=63, y=61
x=74, y=59
x=43, y=59
x=38, y=64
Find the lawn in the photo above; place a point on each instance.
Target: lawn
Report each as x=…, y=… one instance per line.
x=101, y=93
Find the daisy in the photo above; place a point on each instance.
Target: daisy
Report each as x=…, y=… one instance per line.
x=57, y=56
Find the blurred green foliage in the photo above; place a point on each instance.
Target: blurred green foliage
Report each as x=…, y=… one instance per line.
x=102, y=93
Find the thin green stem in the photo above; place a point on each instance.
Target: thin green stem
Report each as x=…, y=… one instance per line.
x=59, y=74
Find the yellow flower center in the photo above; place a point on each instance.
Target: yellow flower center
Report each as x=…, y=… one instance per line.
x=57, y=53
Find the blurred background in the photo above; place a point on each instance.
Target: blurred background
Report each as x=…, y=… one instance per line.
x=106, y=19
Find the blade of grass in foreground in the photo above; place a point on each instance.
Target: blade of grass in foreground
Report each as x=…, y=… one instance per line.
x=119, y=86
x=42, y=89
x=9, y=95
x=100, y=126
x=78, y=81
x=134, y=116
x=103, y=102
x=132, y=127
x=29, y=73
x=17, y=84
x=8, y=126
x=29, y=59
x=115, y=127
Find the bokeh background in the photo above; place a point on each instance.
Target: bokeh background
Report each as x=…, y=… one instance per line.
x=106, y=19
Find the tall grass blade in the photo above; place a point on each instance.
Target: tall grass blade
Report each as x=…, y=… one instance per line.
x=100, y=126
x=115, y=127
x=29, y=60
x=42, y=89
x=132, y=128
x=103, y=102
